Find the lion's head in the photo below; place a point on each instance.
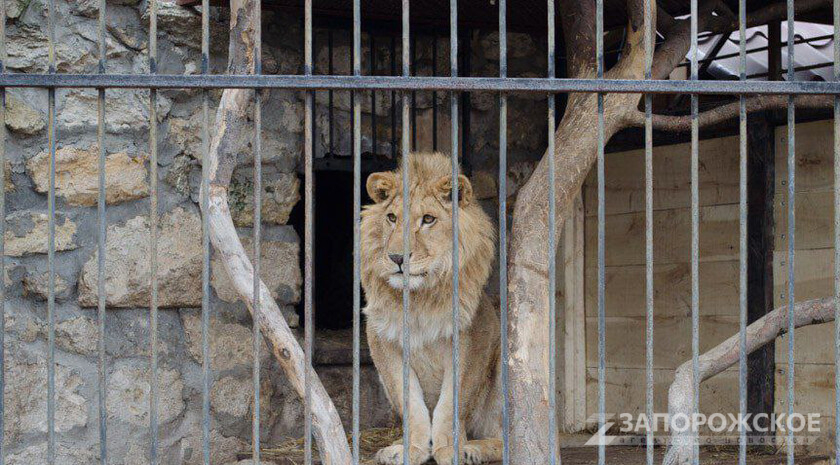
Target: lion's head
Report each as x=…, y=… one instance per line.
x=430, y=235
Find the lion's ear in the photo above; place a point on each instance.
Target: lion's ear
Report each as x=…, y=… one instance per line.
x=381, y=186
x=443, y=188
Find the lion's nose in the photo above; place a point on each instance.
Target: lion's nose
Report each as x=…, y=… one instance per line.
x=396, y=258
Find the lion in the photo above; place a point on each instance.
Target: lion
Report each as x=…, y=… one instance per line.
x=430, y=268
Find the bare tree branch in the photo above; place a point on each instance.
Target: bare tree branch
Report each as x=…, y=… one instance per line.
x=635, y=14
x=575, y=151
x=231, y=135
x=729, y=111
x=673, y=50
x=713, y=362
x=664, y=21
x=578, y=20
x=776, y=11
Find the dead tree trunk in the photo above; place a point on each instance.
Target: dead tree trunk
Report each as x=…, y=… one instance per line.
x=231, y=136
x=576, y=148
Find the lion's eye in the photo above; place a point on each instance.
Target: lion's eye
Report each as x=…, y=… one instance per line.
x=392, y=217
x=429, y=219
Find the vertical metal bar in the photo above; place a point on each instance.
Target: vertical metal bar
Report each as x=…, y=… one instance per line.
x=552, y=241
x=393, y=99
x=791, y=259
x=465, y=105
x=602, y=337
x=100, y=288
x=309, y=235
x=503, y=264
x=51, y=244
x=836, y=237
x=153, y=240
x=330, y=129
x=314, y=120
x=406, y=217
x=414, y=94
x=256, y=335
x=695, y=229
x=357, y=219
x=434, y=94
x=742, y=218
x=649, y=322
x=456, y=326
x=373, y=94
x=3, y=234
x=205, y=239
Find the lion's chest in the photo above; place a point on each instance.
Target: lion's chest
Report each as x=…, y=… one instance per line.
x=430, y=330
x=429, y=363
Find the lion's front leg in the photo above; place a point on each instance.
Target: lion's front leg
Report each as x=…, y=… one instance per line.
x=419, y=425
x=388, y=361
x=443, y=440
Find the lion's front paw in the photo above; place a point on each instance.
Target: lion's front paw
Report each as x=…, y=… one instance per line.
x=393, y=455
x=471, y=454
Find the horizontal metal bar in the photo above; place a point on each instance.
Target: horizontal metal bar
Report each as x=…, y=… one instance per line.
x=417, y=83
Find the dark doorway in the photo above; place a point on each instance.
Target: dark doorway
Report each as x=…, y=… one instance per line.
x=333, y=293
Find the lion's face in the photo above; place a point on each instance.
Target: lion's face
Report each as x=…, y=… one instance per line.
x=429, y=222
x=429, y=235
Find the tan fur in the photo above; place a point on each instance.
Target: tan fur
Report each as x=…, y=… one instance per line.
x=430, y=321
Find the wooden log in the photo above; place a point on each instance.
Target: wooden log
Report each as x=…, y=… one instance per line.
x=576, y=149
x=760, y=333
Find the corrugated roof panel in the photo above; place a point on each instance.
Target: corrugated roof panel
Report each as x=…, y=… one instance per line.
x=814, y=47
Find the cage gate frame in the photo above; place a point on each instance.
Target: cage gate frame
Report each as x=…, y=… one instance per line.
x=406, y=84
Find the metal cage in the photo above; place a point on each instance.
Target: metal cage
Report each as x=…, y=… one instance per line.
x=404, y=83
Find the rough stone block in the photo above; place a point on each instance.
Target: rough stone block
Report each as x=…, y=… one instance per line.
x=77, y=175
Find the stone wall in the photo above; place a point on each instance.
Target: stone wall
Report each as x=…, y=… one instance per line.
x=179, y=251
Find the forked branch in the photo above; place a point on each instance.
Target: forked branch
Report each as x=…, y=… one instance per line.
x=730, y=111
x=760, y=333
